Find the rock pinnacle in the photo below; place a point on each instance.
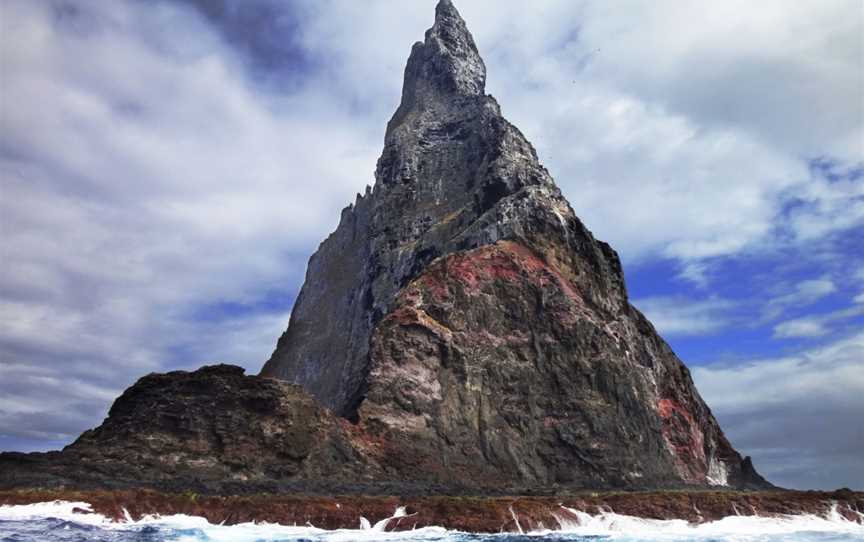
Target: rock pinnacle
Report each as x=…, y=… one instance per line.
x=463, y=314
x=444, y=67
x=464, y=329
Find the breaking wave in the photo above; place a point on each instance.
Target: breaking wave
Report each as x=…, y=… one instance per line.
x=63, y=521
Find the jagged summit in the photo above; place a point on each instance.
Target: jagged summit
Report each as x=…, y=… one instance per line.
x=444, y=67
x=449, y=158
x=462, y=314
x=448, y=60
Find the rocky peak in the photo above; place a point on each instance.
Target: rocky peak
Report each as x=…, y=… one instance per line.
x=467, y=330
x=463, y=314
x=450, y=161
x=444, y=67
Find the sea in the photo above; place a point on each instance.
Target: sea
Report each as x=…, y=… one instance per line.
x=62, y=521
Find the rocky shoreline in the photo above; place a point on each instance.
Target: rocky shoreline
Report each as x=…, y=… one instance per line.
x=469, y=514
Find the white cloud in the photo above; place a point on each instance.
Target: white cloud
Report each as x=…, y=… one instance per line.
x=803, y=293
x=830, y=369
x=814, y=326
x=144, y=177
x=802, y=327
x=786, y=411
x=827, y=206
x=678, y=316
x=808, y=291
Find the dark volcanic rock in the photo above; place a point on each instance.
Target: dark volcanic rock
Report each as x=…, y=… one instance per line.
x=209, y=430
x=463, y=329
x=494, y=367
x=448, y=162
x=463, y=314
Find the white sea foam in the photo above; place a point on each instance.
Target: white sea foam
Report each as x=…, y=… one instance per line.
x=199, y=528
x=64, y=510
x=572, y=522
x=610, y=523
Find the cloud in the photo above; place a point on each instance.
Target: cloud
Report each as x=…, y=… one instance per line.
x=806, y=292
x=140, y=185
x=803, y=293
x=786, y=412
x=678, y=316
x=814, y=326
x=822, y=208
x=802, y=327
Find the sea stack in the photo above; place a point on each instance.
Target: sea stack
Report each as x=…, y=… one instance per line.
x=461, y=332
x=470, y=326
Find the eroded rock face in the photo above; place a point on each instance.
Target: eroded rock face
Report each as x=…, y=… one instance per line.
x=449, y=160
x=214, y=429
x=495, y=363
x=463, y=330
x=463, y=315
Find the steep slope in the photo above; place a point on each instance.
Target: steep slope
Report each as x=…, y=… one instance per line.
x=474, y=329
x=449, y=158
x=466, y=330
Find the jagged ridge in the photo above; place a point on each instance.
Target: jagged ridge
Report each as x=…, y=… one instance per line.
x=463, y=311
x=468, y=331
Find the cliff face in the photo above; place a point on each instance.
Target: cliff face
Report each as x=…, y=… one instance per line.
x=454, y=176
x=466, y=331
x=462, y=313
x=448, y=162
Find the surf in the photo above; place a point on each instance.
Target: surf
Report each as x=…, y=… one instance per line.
x=58, y=518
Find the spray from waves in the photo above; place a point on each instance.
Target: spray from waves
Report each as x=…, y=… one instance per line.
x=574, y=525
x=197, y=529
x=607, y=522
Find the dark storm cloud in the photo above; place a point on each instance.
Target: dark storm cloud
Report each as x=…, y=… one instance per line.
x=798, y=415
x=816, y=444
x=267, y=32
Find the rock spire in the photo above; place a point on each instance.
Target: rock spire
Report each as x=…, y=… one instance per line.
x=466, y=331
x=463, y=313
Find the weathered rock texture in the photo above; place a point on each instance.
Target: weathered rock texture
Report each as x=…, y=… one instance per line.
x=464, y=315
x=211, y=430
x=462, y=328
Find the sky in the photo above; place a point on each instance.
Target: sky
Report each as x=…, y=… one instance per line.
x=168, y=166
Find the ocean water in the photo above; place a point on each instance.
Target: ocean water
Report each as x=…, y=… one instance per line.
x=56, y=521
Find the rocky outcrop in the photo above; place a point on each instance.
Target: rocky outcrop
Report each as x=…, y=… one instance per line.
x=449, y=160
x=462, y=313
x=219, y=431
x=495, y=366
x=211, y=430
x=460, y=332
